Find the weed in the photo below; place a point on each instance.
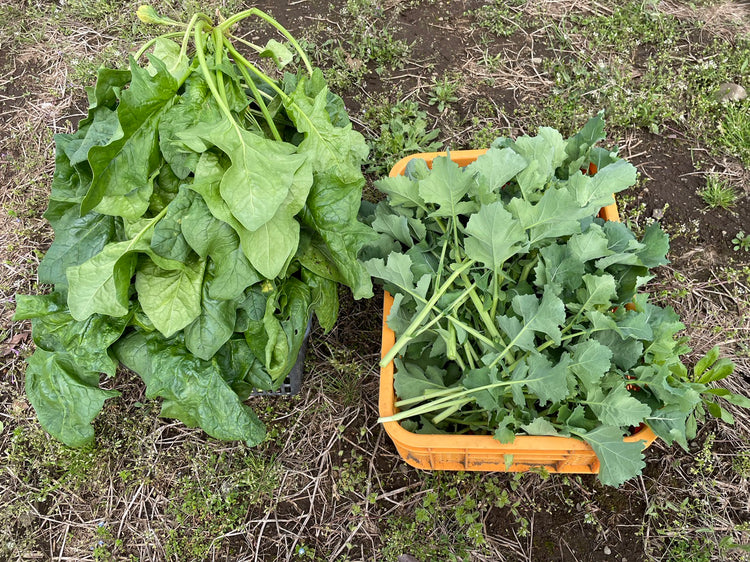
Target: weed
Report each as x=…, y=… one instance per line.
x=718, y=193
x=443, y=92
x=734, y=131
x=404, y=130
x=741, y=241
x=500, y=18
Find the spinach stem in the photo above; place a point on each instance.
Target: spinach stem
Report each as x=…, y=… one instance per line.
x=258, y=97
x=200, y=53
x=268, y=19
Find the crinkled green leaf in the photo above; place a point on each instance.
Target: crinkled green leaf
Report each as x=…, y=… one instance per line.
x=77, y=240
x=65, y=397
x=199, y=396
x=101, y=284
x=55, y=330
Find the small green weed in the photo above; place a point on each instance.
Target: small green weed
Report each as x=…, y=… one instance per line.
x=718, y=193
x=443, y=92
x=741, y=241
x=502, y=18
x=734, y=131
x=404, y=130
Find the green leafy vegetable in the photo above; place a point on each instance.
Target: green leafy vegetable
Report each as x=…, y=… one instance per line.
x=515, y=309
x=203, y=211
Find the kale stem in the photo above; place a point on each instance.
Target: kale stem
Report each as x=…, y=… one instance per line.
x=258, y=97
x=527, y=268
x=419, y=318
x=470, y=354
x=450, y=411
x=268, y=19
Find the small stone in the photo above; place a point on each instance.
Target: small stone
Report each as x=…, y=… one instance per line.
x=729, y=92
x=407, y=558
x=607, y=550
x=658, y=214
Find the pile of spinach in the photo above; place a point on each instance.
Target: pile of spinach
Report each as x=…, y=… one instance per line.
x=516, y=311
x=202, y=211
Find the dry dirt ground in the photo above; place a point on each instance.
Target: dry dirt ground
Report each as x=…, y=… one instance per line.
x=329, y=485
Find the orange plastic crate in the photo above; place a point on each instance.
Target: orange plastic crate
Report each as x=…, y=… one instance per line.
x=482, y=452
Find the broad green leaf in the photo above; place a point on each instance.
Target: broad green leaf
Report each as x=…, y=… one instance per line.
x=122, y=167
x=333, y=151
x=193, y=390
x=103, y=127
x=273, y=244
x=325, y=298
x=493, y=236
x=208, y=236
x=77, y=240
x=494, y=169
x=168, y=240
x=261, y=174
x=195, y=106
x=106, y=90
x=175, y=61
x=55, y=330
x=556, y=214
x=171, y=299
x=101, y=284
x=445, y=187
x=241, y=369
x=213, y=327
x=540, y=426
x=69, y=183
x=589, y=245
x=401, y=192
x=66, y=398
x=331, y=211
x=279, y=52
x=619, y=461
x=617, y=407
